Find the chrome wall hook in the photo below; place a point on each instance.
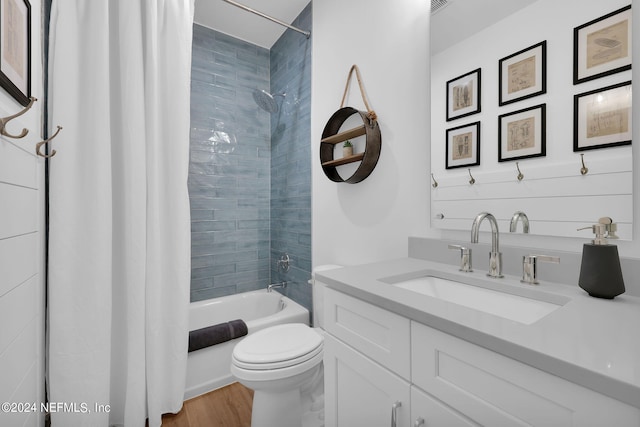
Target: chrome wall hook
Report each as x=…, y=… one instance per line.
x=5, y=120
x=472, y=180
x=46, y=141
x=583, y=170
x=520, y=175
x=435, y=183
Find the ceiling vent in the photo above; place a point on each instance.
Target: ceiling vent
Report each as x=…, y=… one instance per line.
x=438, y=5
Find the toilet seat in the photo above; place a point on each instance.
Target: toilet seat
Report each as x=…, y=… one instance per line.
x=278, y=347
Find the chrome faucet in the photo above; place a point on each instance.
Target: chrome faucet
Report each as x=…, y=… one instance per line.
x=495, y=257
x=530, y=267
x=272, y=286
x=465, y=258
x=519, y=215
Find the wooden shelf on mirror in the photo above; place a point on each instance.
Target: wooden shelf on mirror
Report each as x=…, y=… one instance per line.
x=344, y=160
x=343, y=136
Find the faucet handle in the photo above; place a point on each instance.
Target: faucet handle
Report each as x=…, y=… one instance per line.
x=529, y=267
x=465, y=257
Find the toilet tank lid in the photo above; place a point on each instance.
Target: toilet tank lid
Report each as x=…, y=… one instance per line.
x=278, y=343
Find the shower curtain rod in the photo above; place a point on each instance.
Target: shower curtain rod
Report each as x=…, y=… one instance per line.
x=270, y=18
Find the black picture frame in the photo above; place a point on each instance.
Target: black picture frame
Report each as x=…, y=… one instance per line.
x=523, y=74
x=463, y=146
x=522, y=134
x=464, y=95
x=15, y=49
x=602, y=117
x=603, y=46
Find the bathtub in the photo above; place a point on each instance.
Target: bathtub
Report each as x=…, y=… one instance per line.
x=209, y=368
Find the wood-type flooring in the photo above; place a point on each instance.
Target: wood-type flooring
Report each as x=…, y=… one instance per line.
x=229, y=406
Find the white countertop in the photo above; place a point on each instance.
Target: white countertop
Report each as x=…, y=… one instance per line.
x=589, y=341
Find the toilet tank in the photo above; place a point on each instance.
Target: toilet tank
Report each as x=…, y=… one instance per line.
x=317, y=289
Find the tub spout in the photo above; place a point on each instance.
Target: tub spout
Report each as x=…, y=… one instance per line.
x=276, y=285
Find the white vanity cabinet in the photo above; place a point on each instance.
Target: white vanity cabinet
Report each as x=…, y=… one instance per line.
x=375, y=359
x=364, y=345
x=426, y=411
x=360, y=392
x=495, y=390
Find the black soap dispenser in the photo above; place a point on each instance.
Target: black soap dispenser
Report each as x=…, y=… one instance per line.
x=600, y=272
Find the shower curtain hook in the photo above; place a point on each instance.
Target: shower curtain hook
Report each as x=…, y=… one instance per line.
x=41, y=143
x=5, y=120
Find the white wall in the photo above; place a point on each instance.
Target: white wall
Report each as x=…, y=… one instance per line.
x=547, y=178
x=370, y=221
x=560, y=86
x=22, y=250
x=525, y=28
x=389, y=41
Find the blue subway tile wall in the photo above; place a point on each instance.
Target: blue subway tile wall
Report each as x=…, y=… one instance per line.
x=229, y=172
x=291, y=160
x=250, y=171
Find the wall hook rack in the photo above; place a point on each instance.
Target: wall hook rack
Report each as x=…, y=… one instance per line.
x=520, y=175
x=472, y=180
x=5, y=120
x=46, y=141
x=583, y=170
x=435, y=183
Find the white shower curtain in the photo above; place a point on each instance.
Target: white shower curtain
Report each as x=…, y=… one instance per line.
x=119, y=264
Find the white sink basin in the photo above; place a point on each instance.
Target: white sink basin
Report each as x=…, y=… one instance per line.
x=508, y=305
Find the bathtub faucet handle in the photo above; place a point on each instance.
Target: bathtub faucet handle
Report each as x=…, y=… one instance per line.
x=284, y=263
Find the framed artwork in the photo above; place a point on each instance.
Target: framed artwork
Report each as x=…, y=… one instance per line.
x=15, y=49
x=523, y=74
x=463, y=146
x=603, y=46
x=522, y=134
x=463, y=95
x=602, y=117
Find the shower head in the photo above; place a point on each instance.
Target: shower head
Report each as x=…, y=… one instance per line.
x=266, y=101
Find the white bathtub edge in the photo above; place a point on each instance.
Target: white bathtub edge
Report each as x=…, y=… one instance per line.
x=199, y=382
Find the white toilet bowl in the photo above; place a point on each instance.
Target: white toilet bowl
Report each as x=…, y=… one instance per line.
x=283, y=365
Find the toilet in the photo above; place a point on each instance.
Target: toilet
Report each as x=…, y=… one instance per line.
x=283, y=365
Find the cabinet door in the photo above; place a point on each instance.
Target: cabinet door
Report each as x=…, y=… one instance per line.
x=359, y=392
x=429, y=412
x=380, y=334
x=495, y=390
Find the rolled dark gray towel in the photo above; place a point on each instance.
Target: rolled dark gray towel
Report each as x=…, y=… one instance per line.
x=238, y=328
x=216, y=334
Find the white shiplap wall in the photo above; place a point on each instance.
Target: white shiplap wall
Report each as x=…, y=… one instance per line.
x=557, y=198
x=22, y=252
x=553, y=193
x=21, y=282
